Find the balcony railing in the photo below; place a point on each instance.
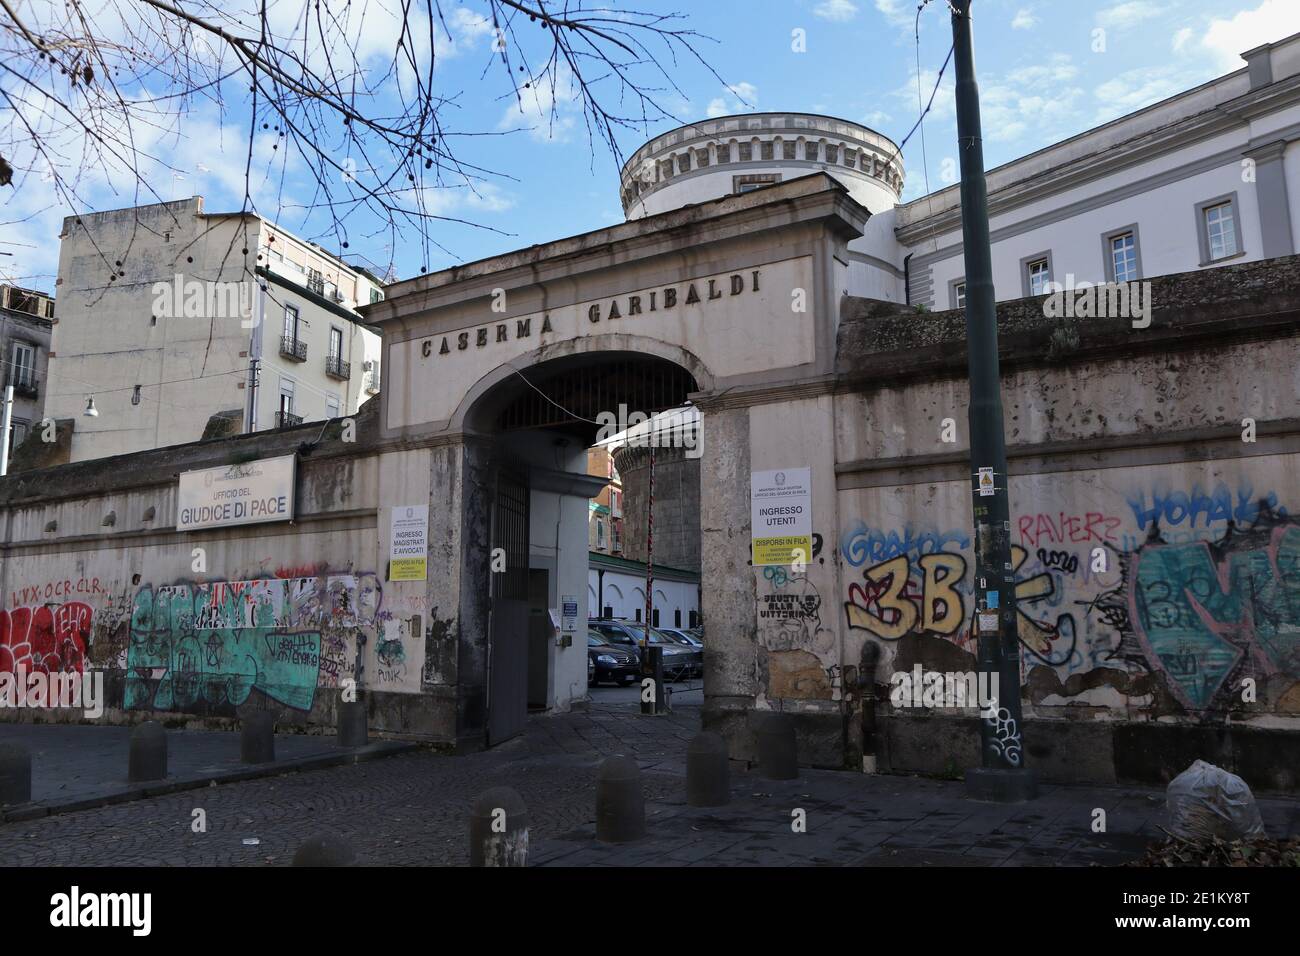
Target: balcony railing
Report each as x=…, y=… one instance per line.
x=372, y=383
x=25, y=386
x=287, y=419
x=293, y=347
x=335, y=367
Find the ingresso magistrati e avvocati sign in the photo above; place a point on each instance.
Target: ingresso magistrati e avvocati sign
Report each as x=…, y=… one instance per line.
x=252, y=492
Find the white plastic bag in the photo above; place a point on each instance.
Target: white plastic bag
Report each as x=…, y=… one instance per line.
x=1205, y=801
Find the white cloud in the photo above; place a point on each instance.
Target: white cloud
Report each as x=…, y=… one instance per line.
x=1181, y=39
x=897, y=13
x=944, y=106
x=1024, y=19
x=1272, y=20
x=838, y=11
x=1130, y=13
x=736, y=98
x=876, y=119
x=1134, y=89
x=548, y=110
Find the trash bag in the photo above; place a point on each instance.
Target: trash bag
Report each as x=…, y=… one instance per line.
x=1205, y=801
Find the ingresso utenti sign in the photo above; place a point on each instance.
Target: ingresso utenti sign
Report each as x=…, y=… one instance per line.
x=250, y=493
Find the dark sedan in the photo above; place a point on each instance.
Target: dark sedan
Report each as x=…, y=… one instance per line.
x=612, y=663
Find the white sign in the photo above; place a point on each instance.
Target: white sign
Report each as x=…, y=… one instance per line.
x=986, y=482
x=781, y=515
x=250, y=493
x=408, y=554
x=569, y=607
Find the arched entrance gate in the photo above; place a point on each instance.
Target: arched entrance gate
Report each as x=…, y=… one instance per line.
x=496, y=375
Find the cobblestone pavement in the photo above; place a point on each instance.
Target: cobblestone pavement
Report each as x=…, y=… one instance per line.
x=412, y=809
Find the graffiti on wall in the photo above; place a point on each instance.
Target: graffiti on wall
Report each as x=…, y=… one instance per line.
x=1209, y=614
x=1202, y=595
x=215, y=643
x=930, y=594
x=50, y=638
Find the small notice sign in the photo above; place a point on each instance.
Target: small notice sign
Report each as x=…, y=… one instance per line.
x=409, y=554
x=780, y=515
x=986, y=482
x=988, y=623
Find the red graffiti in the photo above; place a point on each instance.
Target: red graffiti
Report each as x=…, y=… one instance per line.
x=1063, y=528
x=55, y=591
x=301, y=571
x=48, y=637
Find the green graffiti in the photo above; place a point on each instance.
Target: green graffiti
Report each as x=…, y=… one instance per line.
x=1206, y=613
x=215, y=644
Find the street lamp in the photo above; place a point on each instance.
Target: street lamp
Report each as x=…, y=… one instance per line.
x=91, y=411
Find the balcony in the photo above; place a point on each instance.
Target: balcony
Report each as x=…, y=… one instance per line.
x=292, y=347
x=25, y=386
x=287, y=419
x=335, y=367
x=372, y=383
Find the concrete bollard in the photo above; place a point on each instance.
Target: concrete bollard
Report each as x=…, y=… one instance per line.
x=148, y=757
x=325, y=849
x=498, y=829
x=257, y=737
x=352, y=724
x=778, y=757
x=15, y=774
x=620, y=804
x=708, y=774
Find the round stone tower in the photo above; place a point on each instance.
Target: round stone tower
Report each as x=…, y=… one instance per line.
x=735, y=154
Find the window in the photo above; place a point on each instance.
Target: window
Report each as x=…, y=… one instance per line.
x=677, y=618
x=1035, y=274
x=291, y=323
x=957, y=293
x=787, y=150
x=724, y=152
x=375, y=296
x=810, y=151
x=1123, y=261
x=336, y=342
x=331, y=406
x=1220, y=229
x=286, y=396
x=23, y=369
x=17, y=435
x=600, y=534
x=609, y=611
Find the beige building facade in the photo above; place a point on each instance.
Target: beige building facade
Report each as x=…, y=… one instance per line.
x=178, y=324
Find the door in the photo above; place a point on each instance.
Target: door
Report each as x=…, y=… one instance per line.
x=508, y=622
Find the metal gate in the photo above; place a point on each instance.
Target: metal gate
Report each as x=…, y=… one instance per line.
x=508, y=620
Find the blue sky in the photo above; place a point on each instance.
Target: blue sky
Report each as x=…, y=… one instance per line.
x=1045, y=74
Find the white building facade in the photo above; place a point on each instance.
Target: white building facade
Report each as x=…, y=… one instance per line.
x=176, y=324
x=1208, y=177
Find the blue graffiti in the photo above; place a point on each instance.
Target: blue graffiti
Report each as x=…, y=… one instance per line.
x=1173, y=508
x=861, y=544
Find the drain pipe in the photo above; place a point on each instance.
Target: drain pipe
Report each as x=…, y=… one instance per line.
x=867, y=700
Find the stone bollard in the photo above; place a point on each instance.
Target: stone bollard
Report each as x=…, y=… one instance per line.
x=148, y=757
x=257, y=737
x=352, y=723
x=15, y=775
x=620, y=804
x=708, y=774
x=498, y=829
x=325, y=850
x=778, y=757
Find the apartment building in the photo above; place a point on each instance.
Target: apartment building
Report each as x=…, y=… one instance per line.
x=26, y=319
x=176, y=324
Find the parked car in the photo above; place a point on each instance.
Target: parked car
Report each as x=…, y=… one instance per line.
x=687, y=639
x=610, y=662
x=680, y=661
